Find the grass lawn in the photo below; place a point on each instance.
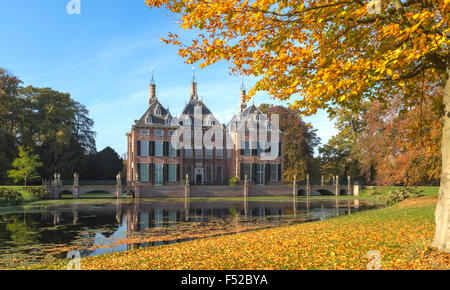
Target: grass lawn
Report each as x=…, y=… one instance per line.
x=401, y=234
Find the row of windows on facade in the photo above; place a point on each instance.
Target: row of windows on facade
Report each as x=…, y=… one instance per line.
x=187, y=133
x=261, y=172
x=168, y=121
x=165, y=149
x=161, y=173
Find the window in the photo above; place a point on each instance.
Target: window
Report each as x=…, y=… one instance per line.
x=158, y=148
x=158, y=174
x=246, y=170
x=143, y=174
x=213, y=123
x=259, y=174
x=149, y=120
x=273, y=172
x=247, y=150
x=188, y=153
x=208, y=153
x=145, y=132
x=172, y=151
x=198, y=153
x=172, y=172
x=158, y=111
x=208, y=173
x=159, y=133
x=144, y=148
x=219, y=173
x=219, y=153
x=172, y=133
x=168, y=121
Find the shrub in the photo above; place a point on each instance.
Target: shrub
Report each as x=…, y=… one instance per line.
x=401, y=194
x=373, y=192
x=233, y=181
x=38, y=192
x=11, y=196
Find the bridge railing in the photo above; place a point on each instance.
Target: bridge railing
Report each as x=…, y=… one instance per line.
x=93, y=182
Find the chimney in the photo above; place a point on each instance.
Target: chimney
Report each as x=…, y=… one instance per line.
x=152, y=90
x=243, y=101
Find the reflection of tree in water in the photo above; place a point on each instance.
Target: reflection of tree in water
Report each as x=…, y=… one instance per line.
x=21, y=231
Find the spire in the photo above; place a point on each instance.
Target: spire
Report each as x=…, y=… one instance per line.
x=194, y=95
x=243, y=101
x=152, y=90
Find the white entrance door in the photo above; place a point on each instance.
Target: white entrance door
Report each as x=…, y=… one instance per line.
x=198, y=175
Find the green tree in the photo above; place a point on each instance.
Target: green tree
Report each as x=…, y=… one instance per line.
x=25, y=166
x=300, y=140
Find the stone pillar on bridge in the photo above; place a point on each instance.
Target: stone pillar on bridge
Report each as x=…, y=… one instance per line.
x=119, y=189
x=321, y=182
x=76, y=185
x=294, y=187
x=187, y=187
x=337, y=185
x=334, y=180
x=246, y=186
x=308, y=186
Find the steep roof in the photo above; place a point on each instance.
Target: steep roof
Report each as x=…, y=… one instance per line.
x=157, y=114
x=246, y=115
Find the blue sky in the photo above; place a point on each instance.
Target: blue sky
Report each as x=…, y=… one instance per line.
x=103, y=58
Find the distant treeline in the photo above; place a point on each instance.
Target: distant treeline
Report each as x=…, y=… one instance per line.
x=55, y=127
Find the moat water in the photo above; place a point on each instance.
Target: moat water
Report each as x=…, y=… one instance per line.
x=44, y=231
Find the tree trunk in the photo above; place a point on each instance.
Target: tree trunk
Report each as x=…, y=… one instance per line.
x=442, y=213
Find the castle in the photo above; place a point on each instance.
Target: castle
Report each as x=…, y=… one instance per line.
x=166, y=150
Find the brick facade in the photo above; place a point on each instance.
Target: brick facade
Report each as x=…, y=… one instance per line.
x=152, y=161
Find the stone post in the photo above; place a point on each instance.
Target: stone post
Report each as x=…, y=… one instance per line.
x=294, y=187
x=308, y=186
x=334, y=180
x=119, y=189
x=246, y=186
x=349, y=185
x=321, y=182
x=337, y=185
x=76, y=185
x=355, y=190
x=187, y=187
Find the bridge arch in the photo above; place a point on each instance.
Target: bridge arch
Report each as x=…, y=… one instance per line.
x=301, y=191
x=102, y=193
x=65, y=192
x=343, y=192
x=325, y=192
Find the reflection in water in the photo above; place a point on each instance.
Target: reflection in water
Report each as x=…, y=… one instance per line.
x=49, y=232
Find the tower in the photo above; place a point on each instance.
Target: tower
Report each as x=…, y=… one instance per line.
x=243, y=101
x=194, y=95
x=152, y=90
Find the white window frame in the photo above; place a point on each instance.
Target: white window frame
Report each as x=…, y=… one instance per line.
x=145, y=148
x=172, y=133
x=159, y=133
x=144, y=132
x=159, y=148
x=159, y=172
x=221, y=173
x=172, y=172
x=141, y=176
x=273, y=165
x=172, y=151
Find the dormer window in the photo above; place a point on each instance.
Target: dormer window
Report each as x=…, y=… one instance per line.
x=149, y=120
x=167, y=121
x=158, y=112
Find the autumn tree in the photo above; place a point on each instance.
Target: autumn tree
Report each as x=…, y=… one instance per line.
x=321, y=54
x=299, y=142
